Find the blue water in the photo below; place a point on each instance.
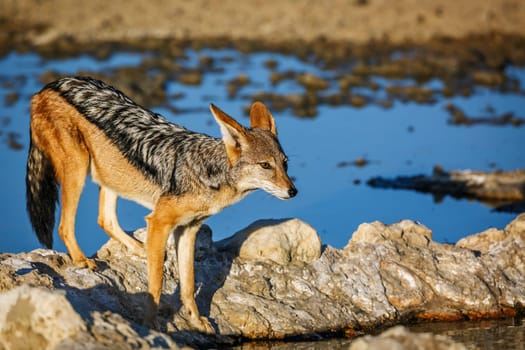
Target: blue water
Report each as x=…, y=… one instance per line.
x=407, y=139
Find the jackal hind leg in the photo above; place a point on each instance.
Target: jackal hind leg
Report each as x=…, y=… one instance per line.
x=72, y=171
x=107, y=219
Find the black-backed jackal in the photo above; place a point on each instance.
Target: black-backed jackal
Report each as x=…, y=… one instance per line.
x=82, y=126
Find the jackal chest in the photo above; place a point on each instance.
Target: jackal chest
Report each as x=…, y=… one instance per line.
x=222, y=198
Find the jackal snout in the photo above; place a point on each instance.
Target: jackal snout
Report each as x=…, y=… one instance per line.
x=282, y=188
x=292, y=192
x=285, y=187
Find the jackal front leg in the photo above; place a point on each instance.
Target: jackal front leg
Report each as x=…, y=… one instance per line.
x=171, y=213
x=158, y=232
x=185, y=260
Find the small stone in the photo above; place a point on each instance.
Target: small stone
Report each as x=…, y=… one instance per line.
x=407, y=230
x=36, y=318
x=482, y=241
x=282, y=241
x=400, y=337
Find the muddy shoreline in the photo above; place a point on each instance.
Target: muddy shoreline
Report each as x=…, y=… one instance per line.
x=460, y=64
x=332, y=31
x=356, y=21
x=417, y=41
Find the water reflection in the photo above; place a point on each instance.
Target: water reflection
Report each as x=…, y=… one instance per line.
x=480, y=335
x=484, y=334
x=375, y=122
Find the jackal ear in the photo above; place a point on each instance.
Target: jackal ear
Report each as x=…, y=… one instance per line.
x=260, y=117
x=233, y=133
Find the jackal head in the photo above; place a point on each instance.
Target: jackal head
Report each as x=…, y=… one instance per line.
x=257, y=159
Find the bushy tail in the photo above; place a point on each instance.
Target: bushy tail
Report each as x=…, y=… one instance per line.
x=41, y=194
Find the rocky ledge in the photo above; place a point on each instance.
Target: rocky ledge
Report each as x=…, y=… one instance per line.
x=273, y=280
x=503, y=190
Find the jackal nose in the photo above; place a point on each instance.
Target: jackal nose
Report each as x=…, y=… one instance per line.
x=292, y=192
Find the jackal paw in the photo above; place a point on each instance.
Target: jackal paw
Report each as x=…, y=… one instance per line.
x=137, y=250
x=201, y=324
x=150, y=312
x=151, y=322
x=85, y=263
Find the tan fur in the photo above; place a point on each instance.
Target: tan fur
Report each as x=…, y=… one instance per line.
x=76, y=148
x=233, y=148
x=186, y=213
x=260, y=117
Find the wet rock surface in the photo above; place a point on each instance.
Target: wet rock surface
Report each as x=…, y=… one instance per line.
x=458, y=117
x=481, y=334
x=387, y=274
x=504, y=190
x=401, y=338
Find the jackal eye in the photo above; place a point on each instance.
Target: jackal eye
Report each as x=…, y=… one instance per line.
x=285, y=164
x=265, y=165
